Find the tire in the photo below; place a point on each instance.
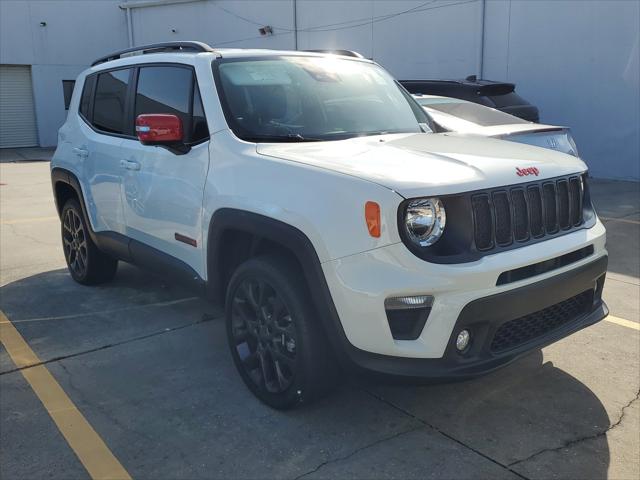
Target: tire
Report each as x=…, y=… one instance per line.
x=276, y=341
x=86, y=263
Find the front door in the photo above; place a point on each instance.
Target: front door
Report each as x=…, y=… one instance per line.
x=163, y=189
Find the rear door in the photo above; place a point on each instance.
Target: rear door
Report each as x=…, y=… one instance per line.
x=103, y=127
x=163, y=189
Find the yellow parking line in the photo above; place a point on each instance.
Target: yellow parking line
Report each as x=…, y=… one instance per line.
x=623, y=322
x=29, y=220
x=623, y=220
x=103, y=312
x=80, y=435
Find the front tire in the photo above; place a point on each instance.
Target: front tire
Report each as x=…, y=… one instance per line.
x=277, y=344
x=86, y=263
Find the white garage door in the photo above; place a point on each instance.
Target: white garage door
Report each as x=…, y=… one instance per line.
x=17, y=115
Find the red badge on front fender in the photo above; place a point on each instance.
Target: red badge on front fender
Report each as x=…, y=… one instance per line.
x=523, y=172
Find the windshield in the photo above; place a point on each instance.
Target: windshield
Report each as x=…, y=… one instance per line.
x=313, y=98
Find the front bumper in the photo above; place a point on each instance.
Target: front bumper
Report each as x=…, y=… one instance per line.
x=483, y=317
x=465, y=295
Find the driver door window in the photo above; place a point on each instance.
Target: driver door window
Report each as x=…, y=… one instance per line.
x=167, y=89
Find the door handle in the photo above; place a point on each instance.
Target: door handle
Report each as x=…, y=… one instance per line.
x=81, y=152
x=130, y=164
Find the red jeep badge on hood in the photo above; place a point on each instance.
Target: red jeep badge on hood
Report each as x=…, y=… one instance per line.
x=523, y=172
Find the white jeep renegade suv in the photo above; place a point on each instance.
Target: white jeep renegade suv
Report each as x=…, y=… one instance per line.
x=307, y=193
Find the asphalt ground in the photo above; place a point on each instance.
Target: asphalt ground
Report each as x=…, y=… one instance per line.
x=134, y=379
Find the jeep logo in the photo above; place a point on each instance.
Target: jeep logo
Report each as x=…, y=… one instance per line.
x=523, y=172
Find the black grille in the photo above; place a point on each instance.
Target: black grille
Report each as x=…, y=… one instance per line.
x=517, y=214
x=517, y=332
x=575, y=200
x=520, y=215
x=535, y=209
x=550, y=212
x=503, y=217
x=483, y=222
x=563, y=204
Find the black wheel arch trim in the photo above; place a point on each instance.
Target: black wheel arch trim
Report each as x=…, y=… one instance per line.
x=61, y=175
x=295, y=241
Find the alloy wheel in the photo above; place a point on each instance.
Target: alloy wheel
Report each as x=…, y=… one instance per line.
x=74, y=242
x=264, y=335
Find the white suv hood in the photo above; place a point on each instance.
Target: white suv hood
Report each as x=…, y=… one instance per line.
x=429, y=164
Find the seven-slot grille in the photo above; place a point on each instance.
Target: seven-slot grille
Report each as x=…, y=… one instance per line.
x=520, y=213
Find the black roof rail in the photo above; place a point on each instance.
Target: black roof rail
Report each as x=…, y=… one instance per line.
x=158, y=47
x=344, y=53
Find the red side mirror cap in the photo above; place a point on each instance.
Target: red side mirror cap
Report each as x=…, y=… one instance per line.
x=159, y=128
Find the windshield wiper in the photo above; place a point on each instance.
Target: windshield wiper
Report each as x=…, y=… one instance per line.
x=289, y=137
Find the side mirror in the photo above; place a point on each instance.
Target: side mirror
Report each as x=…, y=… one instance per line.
x=159, y=129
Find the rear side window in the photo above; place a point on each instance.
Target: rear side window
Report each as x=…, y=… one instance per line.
x=67, y=91
x=110, y=101
x=85, y=100
x=173, y=90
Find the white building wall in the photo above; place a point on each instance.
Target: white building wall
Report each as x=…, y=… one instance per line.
x=76, y=32
x=412, y=39
x=48, y=98
x=577, y=60
x=216, y=23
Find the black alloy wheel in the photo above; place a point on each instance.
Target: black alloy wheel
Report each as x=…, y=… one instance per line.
x=87, y=264
x=74, y=242
x=277, y=343
x=264, y=335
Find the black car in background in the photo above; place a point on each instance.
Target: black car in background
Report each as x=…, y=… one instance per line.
x=499, y=95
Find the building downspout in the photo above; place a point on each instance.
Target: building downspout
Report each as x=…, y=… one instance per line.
x=295, y=24
x=481, y=46
x=127, y=8
x=129, y=27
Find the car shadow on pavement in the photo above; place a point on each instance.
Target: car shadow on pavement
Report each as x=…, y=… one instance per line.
x=147, y=361
x=526, y=416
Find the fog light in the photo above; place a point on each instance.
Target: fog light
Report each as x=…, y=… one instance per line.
x=462, y=341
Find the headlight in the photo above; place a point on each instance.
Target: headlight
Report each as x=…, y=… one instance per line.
x=425, y=220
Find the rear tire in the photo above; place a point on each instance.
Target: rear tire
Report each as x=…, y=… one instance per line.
x=86, y=263
x=276, y=341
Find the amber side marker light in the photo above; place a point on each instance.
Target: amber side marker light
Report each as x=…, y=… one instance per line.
x=372, y=216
